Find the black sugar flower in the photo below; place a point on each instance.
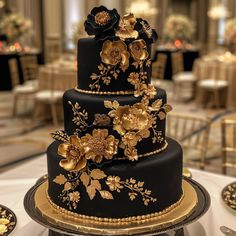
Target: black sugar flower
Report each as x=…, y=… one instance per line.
x=102, y=22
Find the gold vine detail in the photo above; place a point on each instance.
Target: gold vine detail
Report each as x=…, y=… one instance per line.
x=80, y=117
x=91, y=180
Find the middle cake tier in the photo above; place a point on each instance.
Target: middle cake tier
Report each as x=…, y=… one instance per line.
x=129, y=120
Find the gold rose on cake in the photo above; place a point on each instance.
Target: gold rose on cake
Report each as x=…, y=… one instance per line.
x=126, y=27
x=115, y=57
x=99, y=145
x=73, y=153
x=138, y=50
x=115, y=52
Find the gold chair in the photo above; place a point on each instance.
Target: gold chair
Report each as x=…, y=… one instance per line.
x=228, y=128
x=19, y=91
x=211, y=87
x=158, y=69
x=30, y=67
x=52, y=85
x=53, y=49
x=193, y=134
x=184, y=81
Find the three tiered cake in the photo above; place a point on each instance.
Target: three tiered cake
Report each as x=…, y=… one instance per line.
x=113, y=162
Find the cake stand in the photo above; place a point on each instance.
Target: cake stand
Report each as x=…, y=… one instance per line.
x=59, y=226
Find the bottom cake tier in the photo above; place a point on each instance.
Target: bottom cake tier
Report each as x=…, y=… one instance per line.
x=119, y=189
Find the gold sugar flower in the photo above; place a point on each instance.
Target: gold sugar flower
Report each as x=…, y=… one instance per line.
x=73, y=152
x=113, y=183
x=131, y=118
x=138, y=50
x=126, y=27
x=74, y=196
x=99, y=145
x=115, y=52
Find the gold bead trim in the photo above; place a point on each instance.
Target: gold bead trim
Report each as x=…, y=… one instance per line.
x=148, y=154
x=116, y=221
x=105, y=92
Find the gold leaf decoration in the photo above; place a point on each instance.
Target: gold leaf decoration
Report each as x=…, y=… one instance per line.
x=167, y=108
x=60, y=135
x=60, y=179
x=157, y=104
x=85, y=179
x=106, y=195
x=95, y=181
x=108, y=104
x=91, y=190
x=96, y=184
x=162, y=115
x=97, y=174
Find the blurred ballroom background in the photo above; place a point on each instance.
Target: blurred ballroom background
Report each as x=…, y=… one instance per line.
x=194, y=60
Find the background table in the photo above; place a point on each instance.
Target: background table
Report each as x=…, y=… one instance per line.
x=5, y=77
x=16, y=182
x=189, y=58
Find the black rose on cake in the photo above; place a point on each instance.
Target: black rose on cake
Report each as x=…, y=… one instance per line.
x=145, y=31
x=102, y=22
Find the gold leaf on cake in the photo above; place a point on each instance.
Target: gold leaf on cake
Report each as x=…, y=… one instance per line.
x=157, y=104
x=3, y=229
x=91, y=191
x=97, y=174
x=106, y=195
x=162, y=115
x=96, y=184
x=85, y=179
x=67, y=186
x=108, y=104
x=60, y=179
x=167, y=108
x=4, y=221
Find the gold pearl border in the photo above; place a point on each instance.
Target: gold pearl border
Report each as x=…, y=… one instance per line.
x=148, y=154
x=116, y=221
x=105, y=92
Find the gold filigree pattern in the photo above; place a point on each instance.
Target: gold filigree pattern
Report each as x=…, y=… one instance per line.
x=113, y=54
x=97, y=182
x=126, y=27
x=80, y=117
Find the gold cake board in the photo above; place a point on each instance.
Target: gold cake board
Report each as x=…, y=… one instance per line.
x=178, y=214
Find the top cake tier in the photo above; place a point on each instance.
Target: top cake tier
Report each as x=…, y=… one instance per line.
x=117, y=59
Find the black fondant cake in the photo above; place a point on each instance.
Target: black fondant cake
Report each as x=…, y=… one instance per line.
x=113, y=161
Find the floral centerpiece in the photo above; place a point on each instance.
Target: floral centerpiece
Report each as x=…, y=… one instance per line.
x=230, y=34
x=178, y=27
x=14, y=26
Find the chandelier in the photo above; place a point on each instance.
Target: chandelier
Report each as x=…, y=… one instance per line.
x=142, y=8
x=218, y=11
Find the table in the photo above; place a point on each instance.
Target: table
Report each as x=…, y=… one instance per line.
x=189, y=58
x=218, y=68
x=16, y=182
x=5, y=77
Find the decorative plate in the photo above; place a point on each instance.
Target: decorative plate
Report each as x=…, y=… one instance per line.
x=229, y=195
x=7, y=221
x=203, y=203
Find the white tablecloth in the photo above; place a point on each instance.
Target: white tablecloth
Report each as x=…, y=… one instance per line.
x=16, y=182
